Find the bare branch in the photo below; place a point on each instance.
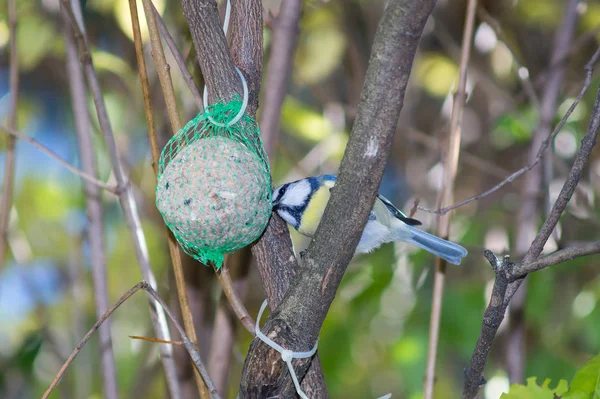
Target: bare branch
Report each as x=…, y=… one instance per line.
x=85, y=176
x=234, y=300
x=213, y=55
x=126, y=197
x=494, y=314
x=9, y=168
x=87, y=336
x=531, y=190
x=285, y=32
x=152, y=293
x=187, y=76
x=222, y=343
x=589, y=68
x=446, y=196
x=166, y=84
x=95, y=231
x=295, y=323
x=566, y=254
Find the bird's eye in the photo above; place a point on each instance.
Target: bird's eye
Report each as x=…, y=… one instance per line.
x=282, y=191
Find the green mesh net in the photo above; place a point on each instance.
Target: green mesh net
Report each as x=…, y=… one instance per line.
x=214, y=183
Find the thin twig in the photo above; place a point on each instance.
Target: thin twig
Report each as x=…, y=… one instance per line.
x=95, y=230
x=494, y=314
x=87, y=177
x=9, y=169
x=169, y=94
x=89, y=334
x=187, y=76
x=234, y=300
x=126, y=197
x=186, y=341
x=589, y=68
x=555, y=258
x=285, y=32
x=225, y=322
x=156, y=340
x=446, y=196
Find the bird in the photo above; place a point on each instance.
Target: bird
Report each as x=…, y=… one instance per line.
x=301, y=204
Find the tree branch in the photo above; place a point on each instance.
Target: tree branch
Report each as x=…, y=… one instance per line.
x=126, y=198
x=296, y=322
x=93, y=199
x=446, y=196
x=9, y=170
x=152, y=293
x=85, y=176
x=166, y=84
x=589, y=69
x=285, y=32
x=531, y=191
x=187, y=76
x=566, y=254
x=494, y=314
x=217, y=66
x=234, y=300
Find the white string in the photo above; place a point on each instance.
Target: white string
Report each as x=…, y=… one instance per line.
x=286, y=354
x=243, y=79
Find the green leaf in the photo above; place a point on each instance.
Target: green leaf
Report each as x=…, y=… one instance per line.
x=586, y=383
x=533, y=391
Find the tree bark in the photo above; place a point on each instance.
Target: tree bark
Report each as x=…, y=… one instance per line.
x=296, y=322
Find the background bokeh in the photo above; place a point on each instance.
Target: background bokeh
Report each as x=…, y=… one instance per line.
x=374, y=340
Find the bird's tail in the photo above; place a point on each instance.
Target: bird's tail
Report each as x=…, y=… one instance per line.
x=451, y=252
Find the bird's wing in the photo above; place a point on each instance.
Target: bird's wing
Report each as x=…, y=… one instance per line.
x=398, y=214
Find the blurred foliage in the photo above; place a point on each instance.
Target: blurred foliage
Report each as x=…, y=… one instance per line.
x=374, y=340
x=585, y=385
x=533, y=391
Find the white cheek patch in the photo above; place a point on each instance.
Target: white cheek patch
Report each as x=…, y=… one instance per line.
x=285, y=215
x=297, y=194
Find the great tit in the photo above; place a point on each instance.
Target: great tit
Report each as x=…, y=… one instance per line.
x=301, y=203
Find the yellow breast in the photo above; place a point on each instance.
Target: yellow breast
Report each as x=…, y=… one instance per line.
x=314, y=211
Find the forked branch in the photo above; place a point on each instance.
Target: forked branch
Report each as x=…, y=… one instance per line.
x=186, y=341
x=509, y=277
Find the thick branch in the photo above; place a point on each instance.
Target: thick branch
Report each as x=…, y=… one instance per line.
x=211, y=48
x=296, y=323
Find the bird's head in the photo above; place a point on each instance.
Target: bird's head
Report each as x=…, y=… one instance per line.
x=290, y=199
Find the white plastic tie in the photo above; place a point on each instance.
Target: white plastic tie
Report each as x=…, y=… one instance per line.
x=242, y=78
x=286, y=354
